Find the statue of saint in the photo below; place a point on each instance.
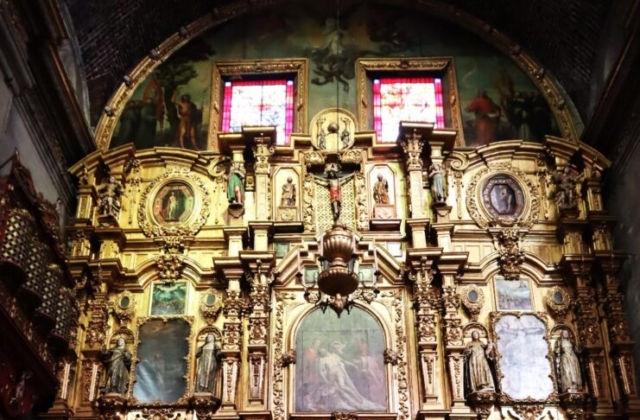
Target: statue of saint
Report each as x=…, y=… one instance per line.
x=235, y=185
x=381, y=191
x=288, y=198
x=209, y=358
x=345, y=136
x=321, y=136
x=478, y=374
x=436, y=176
x=110, y=194
x=118, y=362
x=565, y=188
x=567, y=365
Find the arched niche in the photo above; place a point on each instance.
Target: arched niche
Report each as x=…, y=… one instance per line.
x=340, y=363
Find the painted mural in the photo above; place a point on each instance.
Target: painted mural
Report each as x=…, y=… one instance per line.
x=343, y=358
x=498, y=101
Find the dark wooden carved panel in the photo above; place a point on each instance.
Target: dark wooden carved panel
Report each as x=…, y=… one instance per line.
x=38, y=309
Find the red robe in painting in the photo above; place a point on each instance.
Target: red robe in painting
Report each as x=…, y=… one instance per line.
x=487, y=118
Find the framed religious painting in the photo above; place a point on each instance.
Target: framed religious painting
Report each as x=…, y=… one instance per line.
x=513, y=295
x=173, y=202
x=524, y=366
x=503, y=196
x=343, y=357
x=168, y=299
x=162, y=360
x=176, y=203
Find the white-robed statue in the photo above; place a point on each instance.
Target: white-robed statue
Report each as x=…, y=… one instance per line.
x=209, y=357
x=567, y=365
x=478, y=374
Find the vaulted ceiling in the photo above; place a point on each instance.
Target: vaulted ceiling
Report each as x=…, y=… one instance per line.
x=115, y=35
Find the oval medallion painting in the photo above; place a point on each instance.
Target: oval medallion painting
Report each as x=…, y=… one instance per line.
x=503, y=197
x=173, y=203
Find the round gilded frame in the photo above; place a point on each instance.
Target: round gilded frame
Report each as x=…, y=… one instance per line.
x=503, y=196
x=176, y=203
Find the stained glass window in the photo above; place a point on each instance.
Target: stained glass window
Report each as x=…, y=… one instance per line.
x=259, y=102
x=405, y=99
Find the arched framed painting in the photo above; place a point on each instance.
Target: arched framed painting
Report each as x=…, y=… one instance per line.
x=340, y=363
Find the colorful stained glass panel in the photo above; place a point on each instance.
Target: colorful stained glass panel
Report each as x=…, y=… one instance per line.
x=405, y=99
x=259, y=102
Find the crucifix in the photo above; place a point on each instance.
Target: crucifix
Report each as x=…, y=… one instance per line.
x=335, y=182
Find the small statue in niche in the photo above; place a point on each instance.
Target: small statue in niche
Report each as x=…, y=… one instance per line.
x=110, y=194
x=569, y=372
x=436, y=177
x=566, y=182
x=381, y=191
x=321, y=137
x=118, y=363
x=209, y=358
x=478, y=374
x=345, y=136
x=289, y=195
x=235, y=184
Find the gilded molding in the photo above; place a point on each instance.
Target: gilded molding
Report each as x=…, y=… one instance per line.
x=196, y=220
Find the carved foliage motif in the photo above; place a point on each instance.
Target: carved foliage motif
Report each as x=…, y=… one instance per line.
x=97, y=328
x=361, y=202
x=413, y=149
x=617, y=318
x=282, y=301
x=169, y=267
x=511, y=256
x=588, y=328
x=404, y=411
x=308, y=198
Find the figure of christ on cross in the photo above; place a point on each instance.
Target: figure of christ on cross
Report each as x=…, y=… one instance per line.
x=335, y=193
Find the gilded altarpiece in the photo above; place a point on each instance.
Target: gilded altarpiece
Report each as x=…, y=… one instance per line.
x=484, y=280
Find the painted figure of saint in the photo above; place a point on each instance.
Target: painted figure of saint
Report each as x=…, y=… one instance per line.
x=172, y=210
x=187, y=113
x=436, y=176
x=567, y=365
x=118, y=362
x=487, y=118
x=288, y=198
x=235, y=185
x=478, y=375
x=505, y=200
x=209, y=358
x=381, y=191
